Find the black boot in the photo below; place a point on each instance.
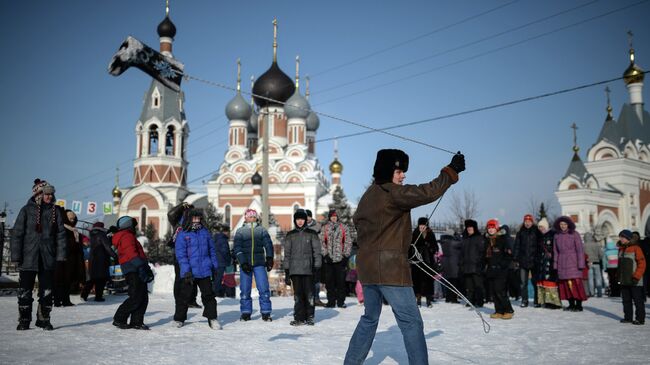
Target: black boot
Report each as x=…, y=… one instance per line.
x=24, y=314
x=43, y=318
x=22, y=325
x=578, y=307
x=571, y=306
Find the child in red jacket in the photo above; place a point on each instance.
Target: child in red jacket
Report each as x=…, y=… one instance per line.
x=136, y=269
x=631, y=266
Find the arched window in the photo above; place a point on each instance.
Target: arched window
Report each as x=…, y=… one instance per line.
x=143, y=218
x=226, y=215
x=573, y=187
x=153, y=140
x=169, y=141
x=155, y=99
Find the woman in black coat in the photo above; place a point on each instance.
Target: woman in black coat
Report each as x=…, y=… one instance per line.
x=69, y=274
x=426, y=244
x=472, y=263
x=99, y=261
x=451, y=251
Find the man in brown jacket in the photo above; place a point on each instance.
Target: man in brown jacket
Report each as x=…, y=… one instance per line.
x=383, y=223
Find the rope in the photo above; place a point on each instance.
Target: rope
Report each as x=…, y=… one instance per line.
x=416, y=259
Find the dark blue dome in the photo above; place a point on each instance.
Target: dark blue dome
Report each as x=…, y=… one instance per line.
x=273, y=84
x=166, y=28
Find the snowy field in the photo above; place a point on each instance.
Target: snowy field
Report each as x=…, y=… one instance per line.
x=84, y=334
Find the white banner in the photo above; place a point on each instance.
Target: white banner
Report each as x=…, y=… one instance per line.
x=107, y=207
x=76, y=207
x=91, y=208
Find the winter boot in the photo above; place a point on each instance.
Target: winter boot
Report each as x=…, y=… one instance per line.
x=524, y=304
x=496, y=315
x=43, y=318
x=24, y=315
x=214, y=324
x=296, y=323
x=22, y=325
x=429, y=302
x=638, y=323
x=179, y=324
x=245, y=317
x=142, y=326
x=267, y=317
x=507, y=315
x=120, y=325
x=571, y=306
x=310, y=321
x=419, y=300
x=578, y=307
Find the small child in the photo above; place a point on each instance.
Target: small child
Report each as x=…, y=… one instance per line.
x=197, y=259
x=301, y=259
x=631, y=266
x=136, y=269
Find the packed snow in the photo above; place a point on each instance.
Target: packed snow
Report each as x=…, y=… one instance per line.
x=84, y=334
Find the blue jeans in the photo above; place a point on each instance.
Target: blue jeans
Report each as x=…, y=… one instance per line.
x=245, y=285
x=402, y=301
x=595, y=280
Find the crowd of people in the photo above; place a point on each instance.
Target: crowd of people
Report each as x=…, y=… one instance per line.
x=556, y=263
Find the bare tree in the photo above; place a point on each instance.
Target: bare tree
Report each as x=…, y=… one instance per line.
x=539, y=207
x=463, y=206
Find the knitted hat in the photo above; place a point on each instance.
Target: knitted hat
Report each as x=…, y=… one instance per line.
x=250, y=213
x=529, y=217
x=626, y=233
x=492, y=223
x=543, y=223
x=42, y=187
x=332, y=213
x=309, y=213
x=423, y=221
x=387, y=162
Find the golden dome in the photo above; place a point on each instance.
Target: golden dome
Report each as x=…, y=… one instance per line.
x=336, y=167
x=633, y=74
x=116, y=192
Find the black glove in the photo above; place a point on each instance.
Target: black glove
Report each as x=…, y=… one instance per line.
x=458, y=162
x=246, y=267
x=269, y=263
x=188, y=279
x=287, y=279
x=327, y=259
x=317, y=274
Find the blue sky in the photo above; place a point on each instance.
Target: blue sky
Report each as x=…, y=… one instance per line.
x=65, y=119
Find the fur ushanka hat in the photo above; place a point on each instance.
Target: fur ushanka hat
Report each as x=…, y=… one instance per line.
x=387, y=162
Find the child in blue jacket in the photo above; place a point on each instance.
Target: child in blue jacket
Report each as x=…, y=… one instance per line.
x=197, y=260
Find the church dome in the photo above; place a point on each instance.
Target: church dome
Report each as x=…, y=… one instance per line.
x=297, y=106
x=238, y=109
x=273, y=84
x=252, y=123
x=116, y=192
x=166, y=28
x=633, y=74
x=256, y=179
x=312, y=121
x=336, y=167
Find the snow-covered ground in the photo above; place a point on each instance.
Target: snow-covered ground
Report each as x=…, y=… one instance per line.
x=84, y=334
